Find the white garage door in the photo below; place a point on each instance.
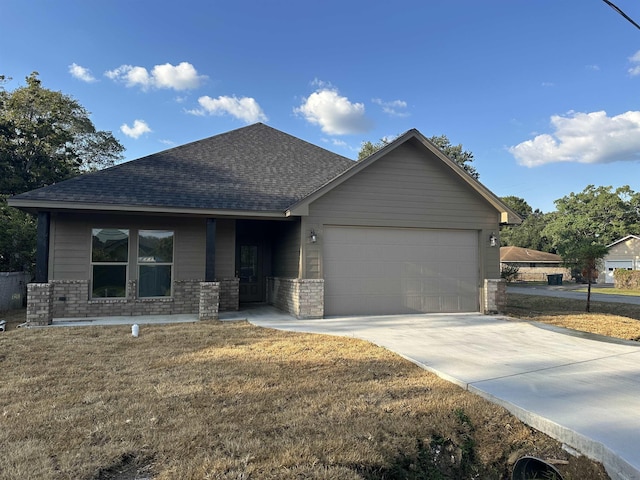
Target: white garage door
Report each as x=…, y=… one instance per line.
x=611, y=265
x=381, y=271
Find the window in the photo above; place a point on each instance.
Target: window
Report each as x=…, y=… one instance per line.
x=109, y=260
x=155, y=263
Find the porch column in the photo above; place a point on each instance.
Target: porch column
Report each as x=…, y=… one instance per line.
x=42, y=248
x=210, y=255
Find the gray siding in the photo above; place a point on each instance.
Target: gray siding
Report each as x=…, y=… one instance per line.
x=409, y=187
x=286, y=250
x=71, y=244
x=225, y=249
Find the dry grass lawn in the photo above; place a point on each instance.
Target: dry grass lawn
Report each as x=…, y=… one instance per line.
x=617, y=320
x=233, y=401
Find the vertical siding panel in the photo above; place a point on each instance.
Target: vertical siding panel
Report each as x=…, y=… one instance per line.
x=286, y=250
x=225, y=248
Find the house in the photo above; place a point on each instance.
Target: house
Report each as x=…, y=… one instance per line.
x=533, y=265
x=257, y=215
x=623, y=253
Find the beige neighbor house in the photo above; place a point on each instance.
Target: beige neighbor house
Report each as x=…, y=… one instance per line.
x=623, y=253
x=533, y=265
x=256, y=215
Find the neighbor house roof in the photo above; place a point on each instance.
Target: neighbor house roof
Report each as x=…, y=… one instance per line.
x=255, y=168
x=526, y=255
x=623, y=239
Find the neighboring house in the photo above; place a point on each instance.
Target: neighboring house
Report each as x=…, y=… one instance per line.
x=256, y=215
x=623, y=253
x=533, y=265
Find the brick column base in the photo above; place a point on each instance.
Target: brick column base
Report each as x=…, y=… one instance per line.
x=495, y=295
x=39, y=303
x=209, y=301
x=302, y=297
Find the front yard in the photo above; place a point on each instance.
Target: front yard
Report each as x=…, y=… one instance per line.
x=233, y=401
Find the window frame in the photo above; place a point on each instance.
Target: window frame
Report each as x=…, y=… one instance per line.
x=140, y=264
x=94, y=263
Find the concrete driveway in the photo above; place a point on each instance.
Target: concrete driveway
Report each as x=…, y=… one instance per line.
x=580, y=389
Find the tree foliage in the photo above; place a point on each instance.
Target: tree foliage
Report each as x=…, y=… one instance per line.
x=462, y=157
x=599, y=213
x=529, y=234
x=17, y=239
x=584, y=257
x=518, y=205
x=45, y=137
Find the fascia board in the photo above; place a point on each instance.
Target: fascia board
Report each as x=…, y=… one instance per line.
x=34, y=205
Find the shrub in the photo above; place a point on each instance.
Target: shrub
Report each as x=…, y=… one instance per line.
x=626, y=279
x=509, y=272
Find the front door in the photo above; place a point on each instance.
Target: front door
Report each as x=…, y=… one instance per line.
x=248, y=261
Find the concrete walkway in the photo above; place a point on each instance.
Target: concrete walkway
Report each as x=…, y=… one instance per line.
x=581, y=389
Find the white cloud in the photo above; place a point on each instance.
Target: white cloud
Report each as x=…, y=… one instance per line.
x=395, y=108
x=634, y=59
x=81, y=73
x=584, y=138
x=245, y=108
x=335, y=114
x=139, y=128
x=183, y=76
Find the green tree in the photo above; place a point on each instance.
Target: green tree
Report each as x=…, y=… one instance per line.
x=17, y=239
x=518, y=205
x=462, y=157
x=45, y=137
x=584, y=258
x=597, y=212
x=529, y=234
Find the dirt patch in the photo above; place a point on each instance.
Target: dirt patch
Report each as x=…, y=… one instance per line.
x=128, y=467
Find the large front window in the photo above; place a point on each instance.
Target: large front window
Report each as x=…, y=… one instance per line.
x=155, y=263
x=109, y=260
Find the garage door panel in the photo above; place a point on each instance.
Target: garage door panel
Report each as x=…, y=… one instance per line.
x=392, y=270
x=612, y=265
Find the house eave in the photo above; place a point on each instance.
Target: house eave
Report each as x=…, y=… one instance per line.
x=33, y=206
x=623, y=239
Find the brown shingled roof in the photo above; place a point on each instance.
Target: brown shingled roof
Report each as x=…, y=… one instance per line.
x=519, y=254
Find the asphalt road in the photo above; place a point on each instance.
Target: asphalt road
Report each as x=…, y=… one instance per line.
x=565, y=292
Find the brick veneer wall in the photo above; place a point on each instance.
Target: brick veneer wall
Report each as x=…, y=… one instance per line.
x=495, y=295
x=209, y=300
x=70, y=299
x=39, y=303
x=229, y=294
x=302, y=297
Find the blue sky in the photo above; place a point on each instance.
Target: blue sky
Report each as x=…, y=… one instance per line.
x=545, y=93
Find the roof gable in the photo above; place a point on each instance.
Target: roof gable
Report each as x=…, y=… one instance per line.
x=624, y=239
x=506, y=214
x=255, y=169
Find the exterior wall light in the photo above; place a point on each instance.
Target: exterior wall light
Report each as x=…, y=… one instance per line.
x=313, y=237
x=493, y=240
